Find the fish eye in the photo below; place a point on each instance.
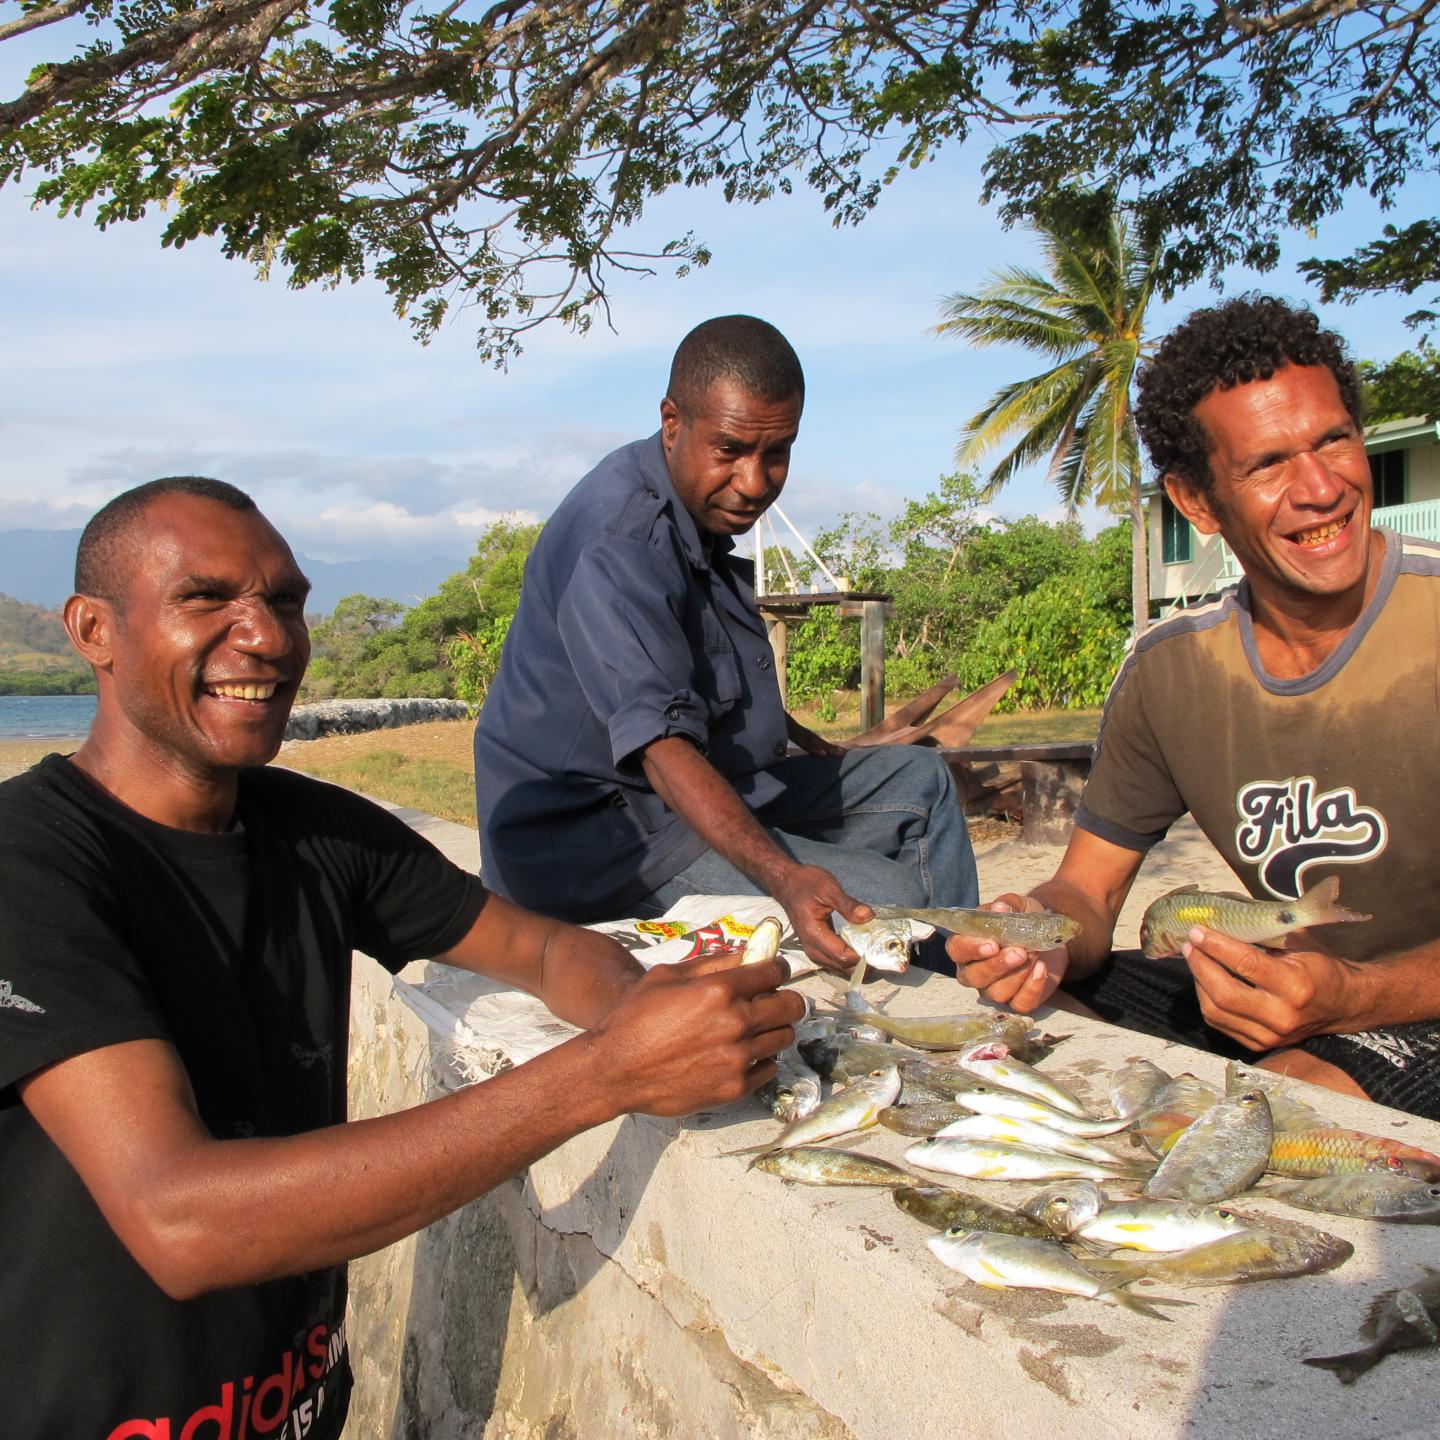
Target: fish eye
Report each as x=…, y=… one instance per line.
x=1434, y=1192
x=1226, y=1214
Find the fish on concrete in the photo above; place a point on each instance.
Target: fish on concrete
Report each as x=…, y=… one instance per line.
x=856, y=1107
x=1407, y=1318
x=1364, y=1194
x=817, y=1165
x=1248, y=1254
x=1159, y=1225
x=1174, y=1108
x=1029, y=930
x=926, y=1118
x=990, y=1100
x=944, y=1209
x=1224, y=1152
x=1166, y=924
x=1016, y=1131
x=992, y=1062
x=1287, y=1112
x=1134, y=1086
x=1014, y=1262
x=1002, y=1160
x=1065, y=1205
x=1334, y=1151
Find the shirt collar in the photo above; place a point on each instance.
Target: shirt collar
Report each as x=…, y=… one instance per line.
x=657, y=475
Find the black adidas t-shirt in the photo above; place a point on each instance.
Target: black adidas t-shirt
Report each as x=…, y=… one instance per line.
x=236, y=949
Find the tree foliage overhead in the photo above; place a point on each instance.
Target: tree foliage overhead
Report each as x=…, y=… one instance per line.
x=1406, y=386
x=495, y=155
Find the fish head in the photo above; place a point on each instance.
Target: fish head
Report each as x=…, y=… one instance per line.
x=985, y=1050
x=764, y=941
x=884, y=944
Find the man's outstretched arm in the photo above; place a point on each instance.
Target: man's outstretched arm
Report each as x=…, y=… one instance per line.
x=696, y=791
x=200, y=1214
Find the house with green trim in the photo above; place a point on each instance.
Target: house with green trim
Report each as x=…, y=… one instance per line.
x=1187, y=568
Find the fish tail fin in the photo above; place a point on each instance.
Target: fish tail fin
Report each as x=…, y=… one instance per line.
x=1348, y=1367
x=756, y=1150
x=1141, y=1305
x=1322, y=904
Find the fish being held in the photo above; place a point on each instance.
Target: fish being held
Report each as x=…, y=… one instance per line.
x=882, y=945
x=1166, y=923
x=1012, y=1262
x=1028, y=930
x=1403, y=1319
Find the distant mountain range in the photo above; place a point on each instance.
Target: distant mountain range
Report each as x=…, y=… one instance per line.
x=37, y=566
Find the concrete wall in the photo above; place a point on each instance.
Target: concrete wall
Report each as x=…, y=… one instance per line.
x=637, y=1283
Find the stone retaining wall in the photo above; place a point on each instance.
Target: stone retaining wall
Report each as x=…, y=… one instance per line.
x=350, y=717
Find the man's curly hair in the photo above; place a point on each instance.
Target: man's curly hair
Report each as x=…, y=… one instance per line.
x=1247, y=338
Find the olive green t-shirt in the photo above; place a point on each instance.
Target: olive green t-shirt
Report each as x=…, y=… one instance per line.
x=1334, y=773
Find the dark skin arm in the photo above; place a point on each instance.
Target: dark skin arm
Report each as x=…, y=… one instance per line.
x=692, y=787
x=200, y=1214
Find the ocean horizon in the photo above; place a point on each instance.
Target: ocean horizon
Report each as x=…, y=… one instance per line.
x=46, y=717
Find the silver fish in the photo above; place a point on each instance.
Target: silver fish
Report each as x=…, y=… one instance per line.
x=1166, y=924
x=1013, y=1262
x=1000, y=1160
x=1160, y=1225
x=1134, y=1086
x=1371, y=1194
x=882, y=945
x=1403, y=1319
x=989, y=1100
x=925, y=1118
x=938, y=1032
x=1286, y=1111
x=856, y=1107
x=992, y=1062
x=1015, y=1131
x=795, y=1092
x=764, y=941
x=1224, y=1152
x=1064, y=1206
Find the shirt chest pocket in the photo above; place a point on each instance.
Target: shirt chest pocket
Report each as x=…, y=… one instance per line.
x=718, y=679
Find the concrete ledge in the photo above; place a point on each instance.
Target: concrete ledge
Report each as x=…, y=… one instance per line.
x=637, y=1284
x=350, y=717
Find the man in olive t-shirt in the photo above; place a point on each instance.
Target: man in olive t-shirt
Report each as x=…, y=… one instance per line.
x=1295, y=718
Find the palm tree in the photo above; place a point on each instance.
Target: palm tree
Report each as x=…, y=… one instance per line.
x=1087, y=315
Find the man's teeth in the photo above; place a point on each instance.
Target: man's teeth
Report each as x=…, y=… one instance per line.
x=242, y=692
x=1321, y=535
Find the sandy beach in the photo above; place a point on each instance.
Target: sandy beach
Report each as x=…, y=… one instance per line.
x=18, y=755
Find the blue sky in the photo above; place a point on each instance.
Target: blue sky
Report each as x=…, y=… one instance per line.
x=128, y=361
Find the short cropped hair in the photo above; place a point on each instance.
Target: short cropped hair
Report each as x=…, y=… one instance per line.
x=751, y=352
x=1245, y=339
x=98, y=559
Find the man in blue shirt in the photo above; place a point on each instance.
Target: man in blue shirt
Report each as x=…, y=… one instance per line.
x=634, y=747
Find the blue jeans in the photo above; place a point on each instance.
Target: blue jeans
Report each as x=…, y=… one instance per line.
x=885, y=821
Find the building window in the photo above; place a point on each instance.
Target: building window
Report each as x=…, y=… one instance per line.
x=1387, y=471
x=1175, y=533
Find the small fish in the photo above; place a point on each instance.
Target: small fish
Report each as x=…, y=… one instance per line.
x=795, y=1092
x=1403, y=1319
x=1174, y=1108
x=1029, y=930
x=1366, y=1194
x=1013, y=1262
x=925, y=1118
x=1166, y=923
x=1159, y=1225
x=1333, y=1151
x=881, y=944
x=1287, y=1112
x=856, y=1107
x=814, y=1165
x=1065, y=1206
x=989, y=1100
x=1224, y=1152
x=992, y=1062
x=1000, y=1160
x=1250, y=1254
x=764, y=941
x=943, y=1209
x=938, y=1032
x=1014, y=1131
x=1134, y=1086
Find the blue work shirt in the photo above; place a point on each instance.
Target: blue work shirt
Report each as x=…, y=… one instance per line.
x=628, y=631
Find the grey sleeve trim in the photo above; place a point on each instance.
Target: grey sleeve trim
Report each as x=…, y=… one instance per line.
x=1119, y=835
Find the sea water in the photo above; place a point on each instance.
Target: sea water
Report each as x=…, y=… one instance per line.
x=46, y=717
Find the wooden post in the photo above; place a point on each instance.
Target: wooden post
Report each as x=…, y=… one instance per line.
x=779, y=636
x=872, y=663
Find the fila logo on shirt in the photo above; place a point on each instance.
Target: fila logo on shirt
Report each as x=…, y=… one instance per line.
x=1286, y=826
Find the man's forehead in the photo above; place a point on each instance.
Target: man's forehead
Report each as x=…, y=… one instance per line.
x=178, y=535
x=728, y=404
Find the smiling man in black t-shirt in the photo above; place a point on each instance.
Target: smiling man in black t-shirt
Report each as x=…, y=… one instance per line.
x=181, y=1189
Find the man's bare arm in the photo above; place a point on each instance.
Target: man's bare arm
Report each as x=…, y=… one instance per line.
x=696, y=791
x=1090, y=886
x=200, y=1214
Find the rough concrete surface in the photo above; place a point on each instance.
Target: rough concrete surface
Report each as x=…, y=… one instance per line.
x=349, y=717
x=637, y=1283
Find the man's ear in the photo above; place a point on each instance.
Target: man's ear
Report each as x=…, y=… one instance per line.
x=90, y=624
x=1193, y=503
x=670, y=422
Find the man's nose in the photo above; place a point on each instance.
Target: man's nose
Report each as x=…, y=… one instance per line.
x=260, y=631
x=752, y=479
x=1313, y=482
